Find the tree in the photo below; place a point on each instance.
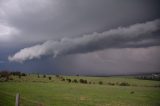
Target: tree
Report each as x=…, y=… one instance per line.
x=75, y=81
x=83, y=81
x=17, y=73
x=69, y=80
x=19, y=76
x=5, y=74
x=62, y=79
x=124, y=84
x=100, y=82
x=23, y=74
x=38, y=76
x=57, y=76
x=49, y=78
x=44, y=76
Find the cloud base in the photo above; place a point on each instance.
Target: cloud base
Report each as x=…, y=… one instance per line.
x=139, y=35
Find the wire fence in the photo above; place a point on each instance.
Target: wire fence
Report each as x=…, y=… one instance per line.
x=7, y=99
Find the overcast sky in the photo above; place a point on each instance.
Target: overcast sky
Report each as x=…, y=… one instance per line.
x=96, y=37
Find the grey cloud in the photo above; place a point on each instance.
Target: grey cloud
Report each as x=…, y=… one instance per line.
x=41, y=20
x=112, y=61
x=1, y=62
x=137, y=35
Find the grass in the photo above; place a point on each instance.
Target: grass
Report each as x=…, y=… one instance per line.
x=41, y=91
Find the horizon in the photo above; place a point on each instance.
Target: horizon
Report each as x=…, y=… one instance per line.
x=89, y=75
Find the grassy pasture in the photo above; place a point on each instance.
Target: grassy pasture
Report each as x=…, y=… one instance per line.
x=41, y=91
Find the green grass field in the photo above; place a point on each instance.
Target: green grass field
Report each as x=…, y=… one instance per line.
x=41, y=91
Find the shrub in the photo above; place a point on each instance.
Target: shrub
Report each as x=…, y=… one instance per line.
x=83, y=81
x=16, y=73
x=90, y=82
x=75, y=81
x=49, y=78
x=132, y=92
x=5, y=75
x=69, y=80
x=10, y=78
x=44, y=76
x=23, y=74
x=124, y=84
x=38, y=76
x=62, y=79
x=100, y=82
x=57, y=76
x=19, y=76
x=110, y=83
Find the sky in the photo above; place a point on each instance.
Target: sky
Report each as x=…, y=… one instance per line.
x=86, y=37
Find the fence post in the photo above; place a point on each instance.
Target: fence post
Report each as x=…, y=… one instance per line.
x=17, y=99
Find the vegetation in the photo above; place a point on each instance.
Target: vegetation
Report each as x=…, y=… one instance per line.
x=83, y=81
x=81, y=91
x=124, y=84
x=100, y=82
x=49, y=78
x=75, y=81
x=44, y=76
x=69, y=80
x=4, y=75
x=155, y=77
x=110, y=83
x=38, y=76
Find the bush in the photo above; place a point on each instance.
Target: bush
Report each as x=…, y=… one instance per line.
x=62, y=79
x=16, y=73
x=44, y=76
x=110, y=83
x=57, y=76
x=19, y=76
x=100, y=82
x=49, y=78
x=23, y=74
x=132, y=92
x=10, y=78
x=5, y=75
x=75, y=81
x=124, y=84
x=38, y=76
x=83, y=81
x=69, y=80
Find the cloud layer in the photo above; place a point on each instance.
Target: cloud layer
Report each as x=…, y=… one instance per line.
x=134, y=36
x=41, y=20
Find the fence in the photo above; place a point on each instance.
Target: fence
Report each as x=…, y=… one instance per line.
x=7, y=99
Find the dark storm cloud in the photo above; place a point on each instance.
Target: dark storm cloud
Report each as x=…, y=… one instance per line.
x=41, y=20
x=112, y=61
x=62, y=27
x=134, y=36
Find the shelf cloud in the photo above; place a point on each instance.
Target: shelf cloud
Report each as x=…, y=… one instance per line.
x=139, y=35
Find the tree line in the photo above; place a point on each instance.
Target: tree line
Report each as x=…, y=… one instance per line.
x=5, y=75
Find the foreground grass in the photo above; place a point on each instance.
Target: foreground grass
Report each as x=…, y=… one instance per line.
x=41, y=91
